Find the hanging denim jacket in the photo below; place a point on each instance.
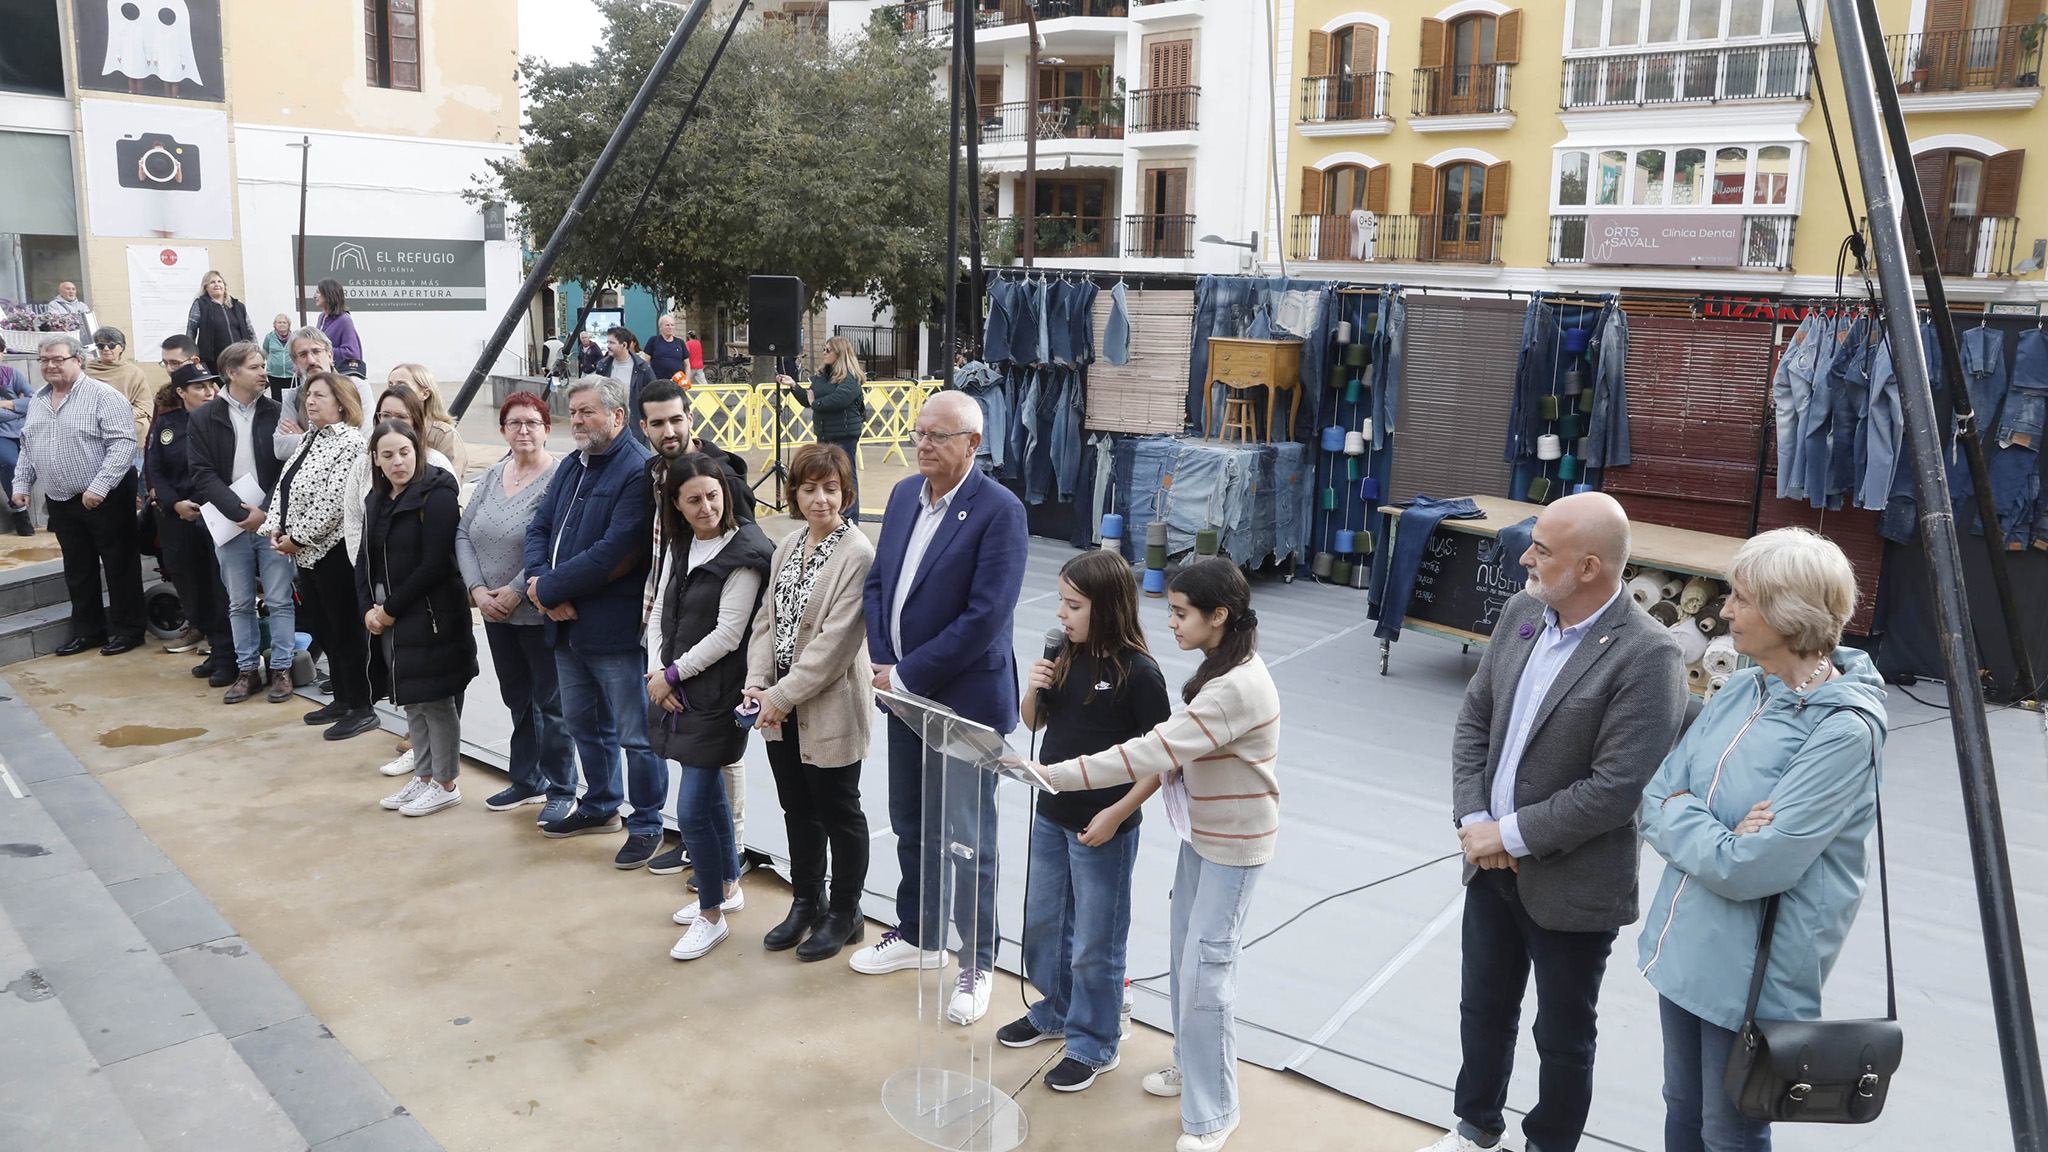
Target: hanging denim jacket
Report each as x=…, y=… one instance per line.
x=1002, y=320
x=1081, y=320
x=2014, y=467
x=1116, y=331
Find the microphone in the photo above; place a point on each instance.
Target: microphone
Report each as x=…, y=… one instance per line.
x=1055, y=643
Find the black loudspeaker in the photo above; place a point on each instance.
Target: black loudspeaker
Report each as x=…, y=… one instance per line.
x=775, y=315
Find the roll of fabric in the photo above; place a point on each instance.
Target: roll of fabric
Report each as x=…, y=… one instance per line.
x=1354, y=443
x=1206, y=542
x=1155, y=582
x=1692, y=643
x=1720, y=655
x=1664, y=612
x=1695, y=677
x=1155, y=533
x=1630, y=572
x=1644, y=591
x=1716, y=682
x=1672, y=586
x=1709, y=619
x=1155, y=557
x=1695, y=594
x=1321, y=566
x=1549, y=447
x=1546, y=407
x=1347, y=540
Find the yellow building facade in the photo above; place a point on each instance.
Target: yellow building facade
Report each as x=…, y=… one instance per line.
x=1595, y=145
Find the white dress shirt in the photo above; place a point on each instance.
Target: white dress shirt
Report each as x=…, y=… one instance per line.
x=1554, y=646
x=930, y=515
x=243, y=417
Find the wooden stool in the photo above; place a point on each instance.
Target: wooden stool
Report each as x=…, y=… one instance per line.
x=1238, y=417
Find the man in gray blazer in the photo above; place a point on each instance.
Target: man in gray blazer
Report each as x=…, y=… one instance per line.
x=1577, y=700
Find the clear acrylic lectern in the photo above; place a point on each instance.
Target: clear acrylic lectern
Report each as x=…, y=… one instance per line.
x=947, y=1099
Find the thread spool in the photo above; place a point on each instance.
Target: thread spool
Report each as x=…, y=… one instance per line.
x=1570, y=427
x=1365, y=429
x=1354, y=392
x=1351, y=468
x=1155, y=533
x=1347, y=541
x=1644, y=591
x=1155, y=582
x=1338, y=376
x=1112, y=529
x=1720, y=655
x=1567, y=467
x=1357, y=355
x=1546, y=407
x=1694, y=596
x=1358, y=574
x=1329, y=499
x=1369, y=488
x=1539, y=490
x=1333, y=439
x=1692, y=645
x=1372, y=323
x=1549, y=447
x=1354, y=443
x=1576, y=339
x=1206, y=542
x=1664, y=612
x=1343, y=331
x=1321, y=565
x=1340, y=571
x=1586, y=400
x=1155, y=557
x=1578, y=488
x=1364, y=542
x=1574, y=382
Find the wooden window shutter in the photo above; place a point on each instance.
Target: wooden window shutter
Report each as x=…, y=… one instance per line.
x=1181, y=63
x=1433, y=42
x=2001, y=195
x=2022, y=11
x=1376, y=180
x=988, y=92
x=373, y=42
x=1157, y=67
x=1946, y=15
x=405, y=44
x=1311, y=192
x=1365, y=49
x=1507, y=38
x=1174, y=187
x=1495, y=202
x=1422, y=190
x=1932, y=169
x=1318, y=53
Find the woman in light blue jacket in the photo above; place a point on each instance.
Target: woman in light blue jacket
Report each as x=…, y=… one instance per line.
x=1773, y=791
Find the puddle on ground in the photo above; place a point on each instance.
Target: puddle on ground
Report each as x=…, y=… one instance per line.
x=145, y=735
x=69, y=709
x=33, y=554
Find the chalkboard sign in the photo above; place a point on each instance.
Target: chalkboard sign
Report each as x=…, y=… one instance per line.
x=1457, y=587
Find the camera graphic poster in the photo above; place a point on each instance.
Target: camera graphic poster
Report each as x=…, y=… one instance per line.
x=150, y=47
x=157, y=170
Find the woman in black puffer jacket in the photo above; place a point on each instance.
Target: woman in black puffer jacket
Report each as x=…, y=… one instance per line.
x=216, y=320
x=416, y=610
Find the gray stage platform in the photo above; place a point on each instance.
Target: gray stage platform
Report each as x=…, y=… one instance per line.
x=1361, y=994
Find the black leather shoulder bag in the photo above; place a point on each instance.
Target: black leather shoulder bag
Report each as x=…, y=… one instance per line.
x=1816, y=1071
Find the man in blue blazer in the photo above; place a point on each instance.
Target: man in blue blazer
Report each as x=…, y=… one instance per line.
x=941, y=599
x=586, y=560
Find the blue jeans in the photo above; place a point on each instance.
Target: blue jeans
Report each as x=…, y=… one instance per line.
x=929, y=816
x=1877, y=461
x=1418, y=521
x=1698, y=1116
x=541, y=757
x=2014, y=471
x=604, y=698
x=705, y=820
x=10, y=451
x=1116, y=331
x=1791, y=388
x=1077, y=920
x=245, y=562
x=1607, y=444
x=1848, y=408
x=1210, y=901
x=2026, y=404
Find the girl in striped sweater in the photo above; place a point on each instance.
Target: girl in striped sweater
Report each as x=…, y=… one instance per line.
x=1217, y=761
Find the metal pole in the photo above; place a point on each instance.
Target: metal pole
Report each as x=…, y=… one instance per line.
x=545, y=262
x=2025, y=685
x=953, y=199
x=2019, y=1047
x=971, y=98
x=1030, y=139
x=305, y=160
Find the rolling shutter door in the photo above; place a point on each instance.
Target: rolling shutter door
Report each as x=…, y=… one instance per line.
x=1457, y=381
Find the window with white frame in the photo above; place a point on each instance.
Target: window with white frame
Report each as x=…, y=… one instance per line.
x=1597, y=25
x=1759, y=177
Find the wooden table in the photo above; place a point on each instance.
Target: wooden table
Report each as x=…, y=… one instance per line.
x=1471, y=591
x=1268, y=364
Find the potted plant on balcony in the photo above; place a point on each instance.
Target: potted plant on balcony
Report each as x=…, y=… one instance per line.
x=2030, y=53
x=1919, y=71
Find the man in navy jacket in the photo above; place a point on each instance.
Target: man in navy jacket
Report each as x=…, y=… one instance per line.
x=941, y=600
x=586, y=560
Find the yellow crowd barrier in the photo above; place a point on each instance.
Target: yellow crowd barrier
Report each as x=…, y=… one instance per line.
x=741, y=417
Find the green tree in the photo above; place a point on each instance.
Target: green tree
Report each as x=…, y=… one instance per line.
x=804, y=159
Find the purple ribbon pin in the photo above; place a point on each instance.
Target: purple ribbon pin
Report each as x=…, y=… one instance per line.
x=1527, y=630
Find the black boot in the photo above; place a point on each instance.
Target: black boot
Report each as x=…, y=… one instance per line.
x=841, y=926
x=804, y=913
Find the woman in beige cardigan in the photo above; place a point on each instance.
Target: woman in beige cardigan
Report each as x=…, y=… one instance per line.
x=807, y=671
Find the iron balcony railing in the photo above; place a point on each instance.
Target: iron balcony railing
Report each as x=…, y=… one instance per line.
x=1163, y=109
x=1706, y=76
x=1060, y=118
x=1170, y=237
x=1766, y=241
x=1457, y=238
x=1334, y=99
x=1967, y=59
x=1461, y=90
x=1058, y=237
x=1971, y=245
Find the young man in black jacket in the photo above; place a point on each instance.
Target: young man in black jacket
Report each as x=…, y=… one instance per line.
x=230, y=442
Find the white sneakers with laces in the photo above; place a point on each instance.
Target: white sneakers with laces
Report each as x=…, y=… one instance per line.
x=1208, y=1142
x=432, y=799
x=400, y=767
x=691, y=912
x=406, y=795
x=1456, y=1141
x=703, y=936
x=892, y=953
x=1165, y=1082
x=970, y=997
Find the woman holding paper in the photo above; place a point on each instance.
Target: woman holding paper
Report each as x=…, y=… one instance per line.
x=1218, y=764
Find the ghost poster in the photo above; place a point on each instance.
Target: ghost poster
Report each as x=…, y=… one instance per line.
x=157, y=170
x=150, y=47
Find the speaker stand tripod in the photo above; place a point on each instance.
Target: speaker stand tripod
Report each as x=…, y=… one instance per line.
x=784, y=365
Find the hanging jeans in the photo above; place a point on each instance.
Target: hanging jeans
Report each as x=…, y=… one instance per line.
x=1116, y=331
x=1066, y=436
x=1386, y=363
x=1984, y=373
x=1223, y=307
x=1883, y=427
x=1791, y=388
x=1418, y=521
x=1059, y=322
x=2014, y=466
x=1040, y=295
x=1848, y=401
x=1816, y=424
x=1002, y=320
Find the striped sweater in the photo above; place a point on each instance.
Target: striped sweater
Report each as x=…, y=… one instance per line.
x=1227, y=744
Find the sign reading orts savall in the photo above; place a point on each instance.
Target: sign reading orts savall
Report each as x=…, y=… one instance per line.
x=398, y=273
x=1671, y=239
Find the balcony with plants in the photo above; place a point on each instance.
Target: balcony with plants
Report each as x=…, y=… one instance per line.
x=1969, y=69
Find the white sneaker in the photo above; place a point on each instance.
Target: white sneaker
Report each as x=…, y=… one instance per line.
x=892, y=953
x=1456, y=1141
x=399, y=767
x=689, y=913
x=406, y=795
x=433, y=799
x=1213, y=1142
x=1165, y=1082
x=970, y=997
x=702, y=937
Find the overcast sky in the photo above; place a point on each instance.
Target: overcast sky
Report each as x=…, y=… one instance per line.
x=559, y=31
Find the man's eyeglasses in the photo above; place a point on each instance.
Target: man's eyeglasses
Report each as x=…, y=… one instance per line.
x=920, y=436
x=55, y=359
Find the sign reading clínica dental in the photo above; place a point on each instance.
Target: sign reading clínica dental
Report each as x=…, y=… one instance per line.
x=1670, y=239
x=398, y=273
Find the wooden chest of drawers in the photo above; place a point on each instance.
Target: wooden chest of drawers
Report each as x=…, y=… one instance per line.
x=1270, y=364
